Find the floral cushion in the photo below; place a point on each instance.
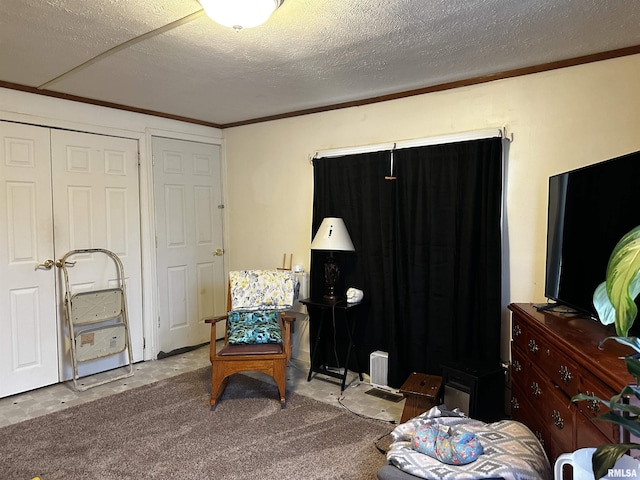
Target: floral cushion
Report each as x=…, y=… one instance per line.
x=253, y=290
x=247, y=328
x=444, y=444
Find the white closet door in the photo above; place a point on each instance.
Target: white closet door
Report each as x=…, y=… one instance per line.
x=96, y=205
x=28, y=328
x=191, y=281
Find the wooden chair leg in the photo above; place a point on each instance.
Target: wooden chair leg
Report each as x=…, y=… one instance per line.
x=218, y=384
x=280, y=376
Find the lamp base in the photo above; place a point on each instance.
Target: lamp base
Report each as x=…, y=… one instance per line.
x=331, y=275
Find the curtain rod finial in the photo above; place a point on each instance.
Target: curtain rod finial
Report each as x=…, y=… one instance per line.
x=506, y=134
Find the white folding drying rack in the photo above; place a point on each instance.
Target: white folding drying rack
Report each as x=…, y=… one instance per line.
x=97, y=320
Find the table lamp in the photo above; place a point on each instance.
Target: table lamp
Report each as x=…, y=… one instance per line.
x=332, y=236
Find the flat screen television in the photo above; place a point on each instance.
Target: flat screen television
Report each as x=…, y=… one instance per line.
x=589, y=210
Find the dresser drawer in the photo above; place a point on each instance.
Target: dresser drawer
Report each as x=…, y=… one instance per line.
x=590, y=435
x=560, y=417
x=519, y=332
x=557, y=415
x=523, y=411
x=549, y=416
x=520, y=366
x=591, y=409
x=558, y=367
x=561, y=370
x=534, y=386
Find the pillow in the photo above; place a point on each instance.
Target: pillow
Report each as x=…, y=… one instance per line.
x=258, y=290
x=439, y=442
x=247, y=328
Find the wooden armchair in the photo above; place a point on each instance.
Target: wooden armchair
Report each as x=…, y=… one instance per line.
x=269, y=358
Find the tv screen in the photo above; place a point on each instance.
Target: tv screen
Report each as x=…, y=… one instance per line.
x=590, y=209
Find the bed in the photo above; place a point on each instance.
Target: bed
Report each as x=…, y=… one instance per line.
x=511, y=451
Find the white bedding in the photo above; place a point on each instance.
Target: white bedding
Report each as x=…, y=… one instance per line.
x=511, y=450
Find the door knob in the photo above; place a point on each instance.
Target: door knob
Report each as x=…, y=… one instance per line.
x=218, y=252
x=47, y=264
x=66, y=263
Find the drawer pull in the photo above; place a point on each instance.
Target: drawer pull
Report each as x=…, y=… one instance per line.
x=565, y=375
x=535, y=389
x=514, y=403
x=516, y=365
x=593, y=405
x=533, y=346
x=517, y=331
x=557, y=419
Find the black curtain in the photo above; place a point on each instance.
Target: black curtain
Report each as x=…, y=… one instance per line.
x=428, y=251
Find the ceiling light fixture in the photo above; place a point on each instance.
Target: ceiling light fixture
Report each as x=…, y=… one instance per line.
x=239, y=14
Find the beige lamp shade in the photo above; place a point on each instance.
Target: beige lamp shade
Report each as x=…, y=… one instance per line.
x=332, y=236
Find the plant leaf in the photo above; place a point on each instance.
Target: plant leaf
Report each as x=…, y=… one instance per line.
x=633, y=366
x=622, y=283
x=606, y=312
x=627, y=391
x=633, y=342
x=631, y=424
x=616, y=406
x=606, y=456
x=635, y=390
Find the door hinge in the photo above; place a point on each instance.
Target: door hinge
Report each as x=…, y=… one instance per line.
x=158, y=321
x=144, y=343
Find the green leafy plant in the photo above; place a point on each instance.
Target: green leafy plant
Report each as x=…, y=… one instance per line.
x=614, y=302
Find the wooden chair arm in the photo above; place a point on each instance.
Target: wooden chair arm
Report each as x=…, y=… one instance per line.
x=216, y=319
x=288, y=319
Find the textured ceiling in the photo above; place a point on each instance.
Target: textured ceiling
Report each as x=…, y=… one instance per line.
x=310, y=53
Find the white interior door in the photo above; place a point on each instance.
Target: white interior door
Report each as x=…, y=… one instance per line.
x=96, y=205
x=188, y=200
x=28, y=328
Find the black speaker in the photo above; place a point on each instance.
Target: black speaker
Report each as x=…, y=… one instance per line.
x=478, y=391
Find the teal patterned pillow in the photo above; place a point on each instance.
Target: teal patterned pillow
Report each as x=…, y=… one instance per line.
x=246, y=328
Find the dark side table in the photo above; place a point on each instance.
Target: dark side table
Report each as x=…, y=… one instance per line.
x=422, y=392
x=333, y=313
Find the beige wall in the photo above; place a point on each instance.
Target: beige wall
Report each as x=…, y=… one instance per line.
x=560, y=120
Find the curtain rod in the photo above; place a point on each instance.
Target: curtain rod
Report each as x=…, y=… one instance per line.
x=418, y=142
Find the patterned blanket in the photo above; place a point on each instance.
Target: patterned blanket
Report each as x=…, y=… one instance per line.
x=260, y=290
x=511, y=450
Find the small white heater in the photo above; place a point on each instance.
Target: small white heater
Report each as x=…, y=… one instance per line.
x=379, y=369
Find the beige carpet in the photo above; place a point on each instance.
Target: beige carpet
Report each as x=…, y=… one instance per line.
x=166, y=431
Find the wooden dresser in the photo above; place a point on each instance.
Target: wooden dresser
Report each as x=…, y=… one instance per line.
x=554, y=357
